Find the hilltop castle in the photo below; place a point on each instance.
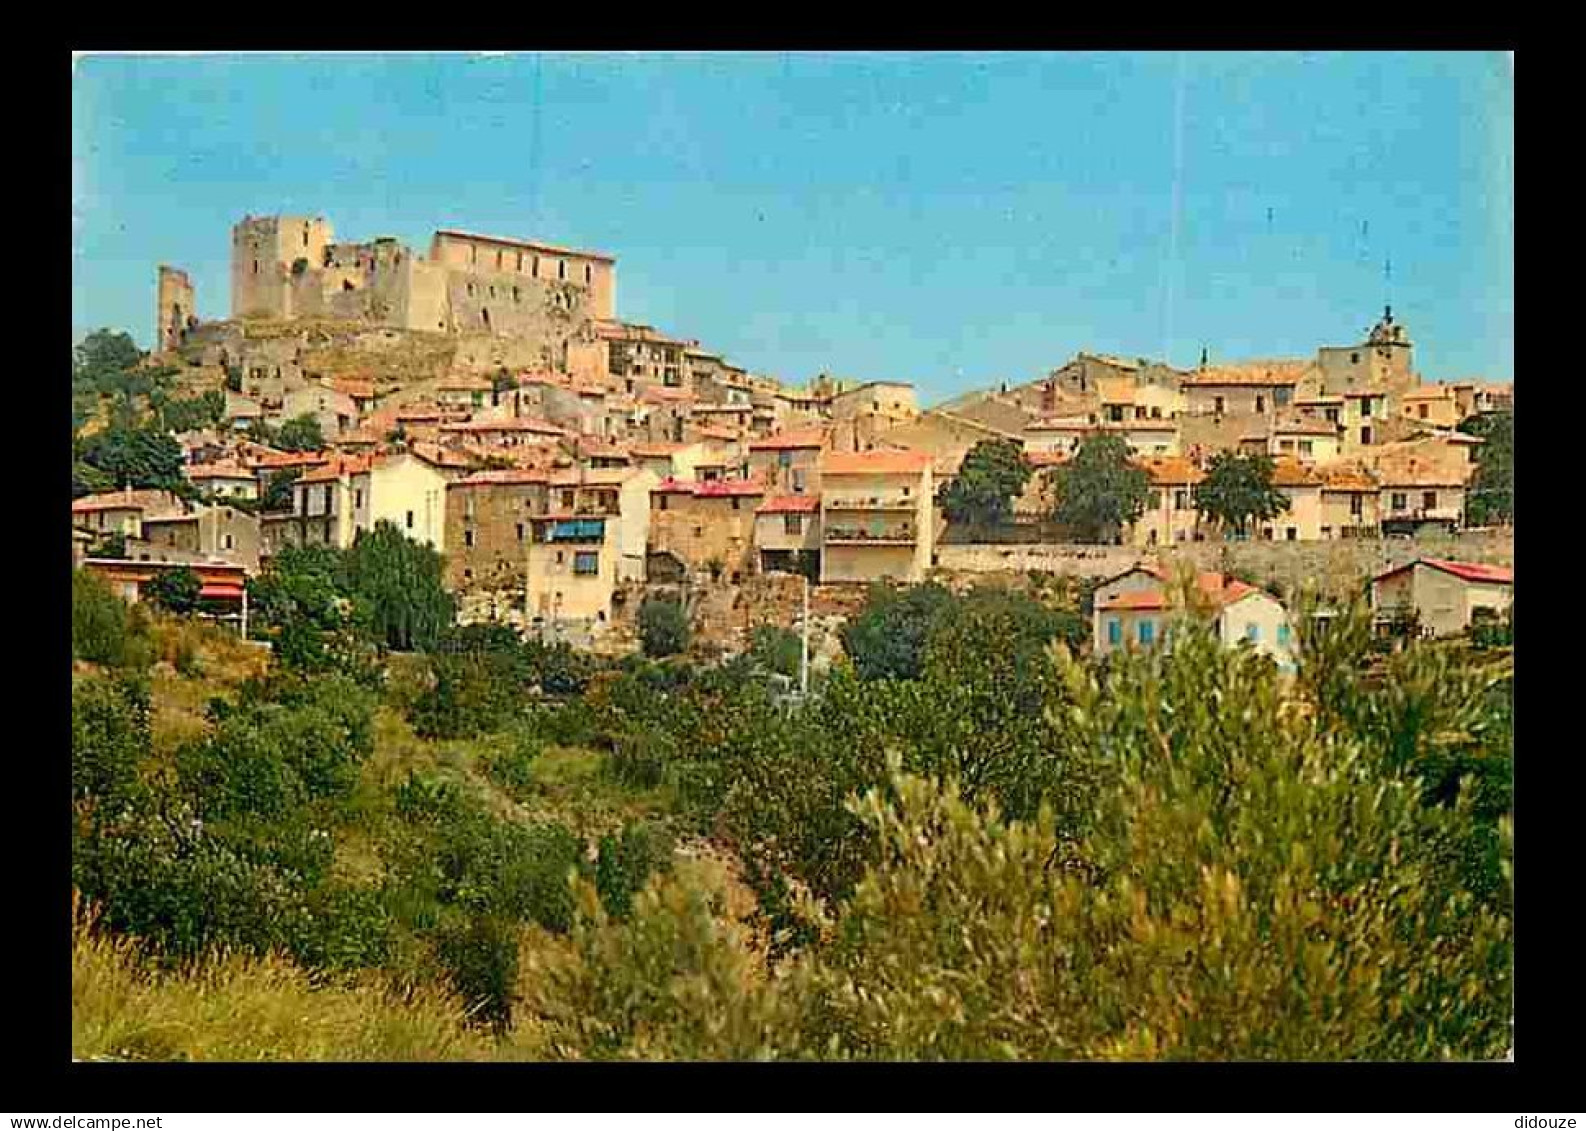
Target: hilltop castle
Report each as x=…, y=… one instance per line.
x=289, y=268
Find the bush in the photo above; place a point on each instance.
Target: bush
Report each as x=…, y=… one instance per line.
x=511, y=765
x=886, y=640
x=625, y=862
x=104, y=630
x=175, y=590
x=664, y=629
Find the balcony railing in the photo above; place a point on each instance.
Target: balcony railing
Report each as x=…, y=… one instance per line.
x=898, y=536
x=871, y=503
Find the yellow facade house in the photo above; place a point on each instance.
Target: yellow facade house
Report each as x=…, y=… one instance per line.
x=790, y=461
x=1170, y=517
x=1435, y=405
x=877, y=515
x=1260, y=388
x=1302, y=486
x=1304, y=438
x=591, y=540
x=1365, y=411
x=1350, y=497
x=787, y=534
x=333, y=502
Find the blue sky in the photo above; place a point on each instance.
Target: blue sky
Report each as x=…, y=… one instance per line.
x=948, y=219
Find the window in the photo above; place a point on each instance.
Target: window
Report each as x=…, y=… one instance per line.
x=1365, y=435
x=1179, y=499
x=535, y=272
x=1253, y=633
x=1261, y=403
x=498, y=259
x=1429, y=500
x=1114, y=631
x=567, y=499
x=798, y=481
x=1354, y=359
x=1139, y=412
x=561, y=556
x=1286, y=445
x=468, y=538
x=255, y=266
x=1355, y=504
x=1156, y=500
x=520, y=261
x=589, y=273
x=468, y=575
x=660, y=503
x=561, y=268
x=473, y=254
x=1305, y=447
x=586, y=563
x=492, y=295
x=1283, y=636
x=1290, y=534
x=1217, y=405
x=1327, y=532
x=357, y=498
x=1280, y=396
x=1156, y=412
x=228, y=542
x=327, y=500
x=735, y=503
x=1399, y=502
x=516, y=295
x=410, y=520
x=793, y=524
x=470, y=289
x=1421, y=411
x=1147, y=632
x=1332, y=415
x=784, y=459
x=905, y=492
x=520, y=533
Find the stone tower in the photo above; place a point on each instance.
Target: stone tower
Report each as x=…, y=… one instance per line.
x=175, y=308
x=266, y=252
x=1391, y=353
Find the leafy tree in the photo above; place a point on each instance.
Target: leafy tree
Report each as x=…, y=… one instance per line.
x=1238, y=491
x=992, y=475
x=886, y=640
x=207, y=410
x=102, y=357
x=300, y=434
x=1490, y=495
x=400, y=582
x=1100, y=491
x=111, y=545
x=104, y=629
x=277, y=494
x=136, y=457
x=176, y=590
x=664, y=629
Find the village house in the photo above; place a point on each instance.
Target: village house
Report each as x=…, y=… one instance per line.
x=789, y=462
x=1446, y=596
x=122, y=512
x=1141, y=607
x=242, y=412
x=509, y=432
x=334, y=412
x=668, y=460
x=1170, y=517
x=1365, y=410
x=706, y=525
x=223, y=582
x=1383, y=362
x=224, y=479
x=216, y=532
x=1307, y=439
x=1416, y=495
x=1325, y=406
x=591, y=540
x=1144, y=437
x=1350, y=498
x=877, y=515
x=1260, y=387
x=1302, y=486
x=488, y=529
x=348, y=494
x=787, y=534
x=1435, y=405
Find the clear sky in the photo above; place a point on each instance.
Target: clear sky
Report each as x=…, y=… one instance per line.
x=954, y=220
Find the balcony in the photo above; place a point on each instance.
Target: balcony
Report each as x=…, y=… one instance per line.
x=858, y=536
x=872, y=503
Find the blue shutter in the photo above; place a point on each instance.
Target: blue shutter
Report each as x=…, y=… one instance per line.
x=1114, y=631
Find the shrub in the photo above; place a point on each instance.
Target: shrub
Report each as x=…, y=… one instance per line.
x=663, y=627
x=104, y=630
x=886, y=639
x=625, y=862
x=175, y=590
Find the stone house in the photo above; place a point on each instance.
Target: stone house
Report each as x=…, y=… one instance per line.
x=224, y=479
x=1415, y=494
x=1140, y=608
x=217, y=532
x=1365, y=412
x=123, y=512
x=1260, y=387
x=706, y=524
x=1445, y=595
x=334, y=411
x=1304, y=438
x=508, y=432
x=1350, y=497
x=488, y=527
x=877, y=515
x=788, y=462
x=787, y=534
x=668, y=460
x=1302, y=486
x=1434, y=405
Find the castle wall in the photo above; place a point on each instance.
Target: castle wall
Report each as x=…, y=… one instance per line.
x=263, y=252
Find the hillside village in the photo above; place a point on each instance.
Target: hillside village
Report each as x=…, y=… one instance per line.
x=486, y=398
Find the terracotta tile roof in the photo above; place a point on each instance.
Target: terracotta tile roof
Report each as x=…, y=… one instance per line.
x=880, y=461
x=1465, y=571
x=1061, y=424
x=1046, y=459
x=661, y=394
x=439, y=456
x=1264, y=373
x=790, y=504
x=1346, y=478
x=656, y=451
x=711, y=432
x=1170, y=471
x=1292, y=473
x=336, y=467
x=527, y=244
x=515, y=477
x=265, y=458
x=1137, y=600
x=1439, y=393
x=1220, y=589
x=1304, y=426
x=357, y=388
x=141, y=499
x=592, y=476
x=464, y=382
x=509, y=424
x=219, y=470
x=363, y=435
x=802, y=438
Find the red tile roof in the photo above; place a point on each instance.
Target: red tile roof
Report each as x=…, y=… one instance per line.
x=1138, y=600
x=1170, y=471
x=1291, y=473
x=514, y=477
x=880, y=461
x=142, y=499
x=710, y=489
x=790, y=504
x=336, y=467
x=509, y=424
x=802, y=438
x=1465, y=571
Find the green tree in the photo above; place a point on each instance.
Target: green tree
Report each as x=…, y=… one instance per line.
x=992, y=475
x=104, y=629
x=1490, y=497
x=277, y=494
x=1238, y=491
x=1100, y=491
x=136, y=457
x=400, y=582
x=776, y=649
x=301, y=434
x=664, y=629
x=886, y=640
x=100, y=359
x=175, y=590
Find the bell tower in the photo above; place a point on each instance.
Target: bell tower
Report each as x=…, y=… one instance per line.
x=1391, y=353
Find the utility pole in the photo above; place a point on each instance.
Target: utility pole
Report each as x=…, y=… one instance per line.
x=804, y=644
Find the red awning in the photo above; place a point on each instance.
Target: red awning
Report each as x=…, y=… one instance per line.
x=221, y=589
